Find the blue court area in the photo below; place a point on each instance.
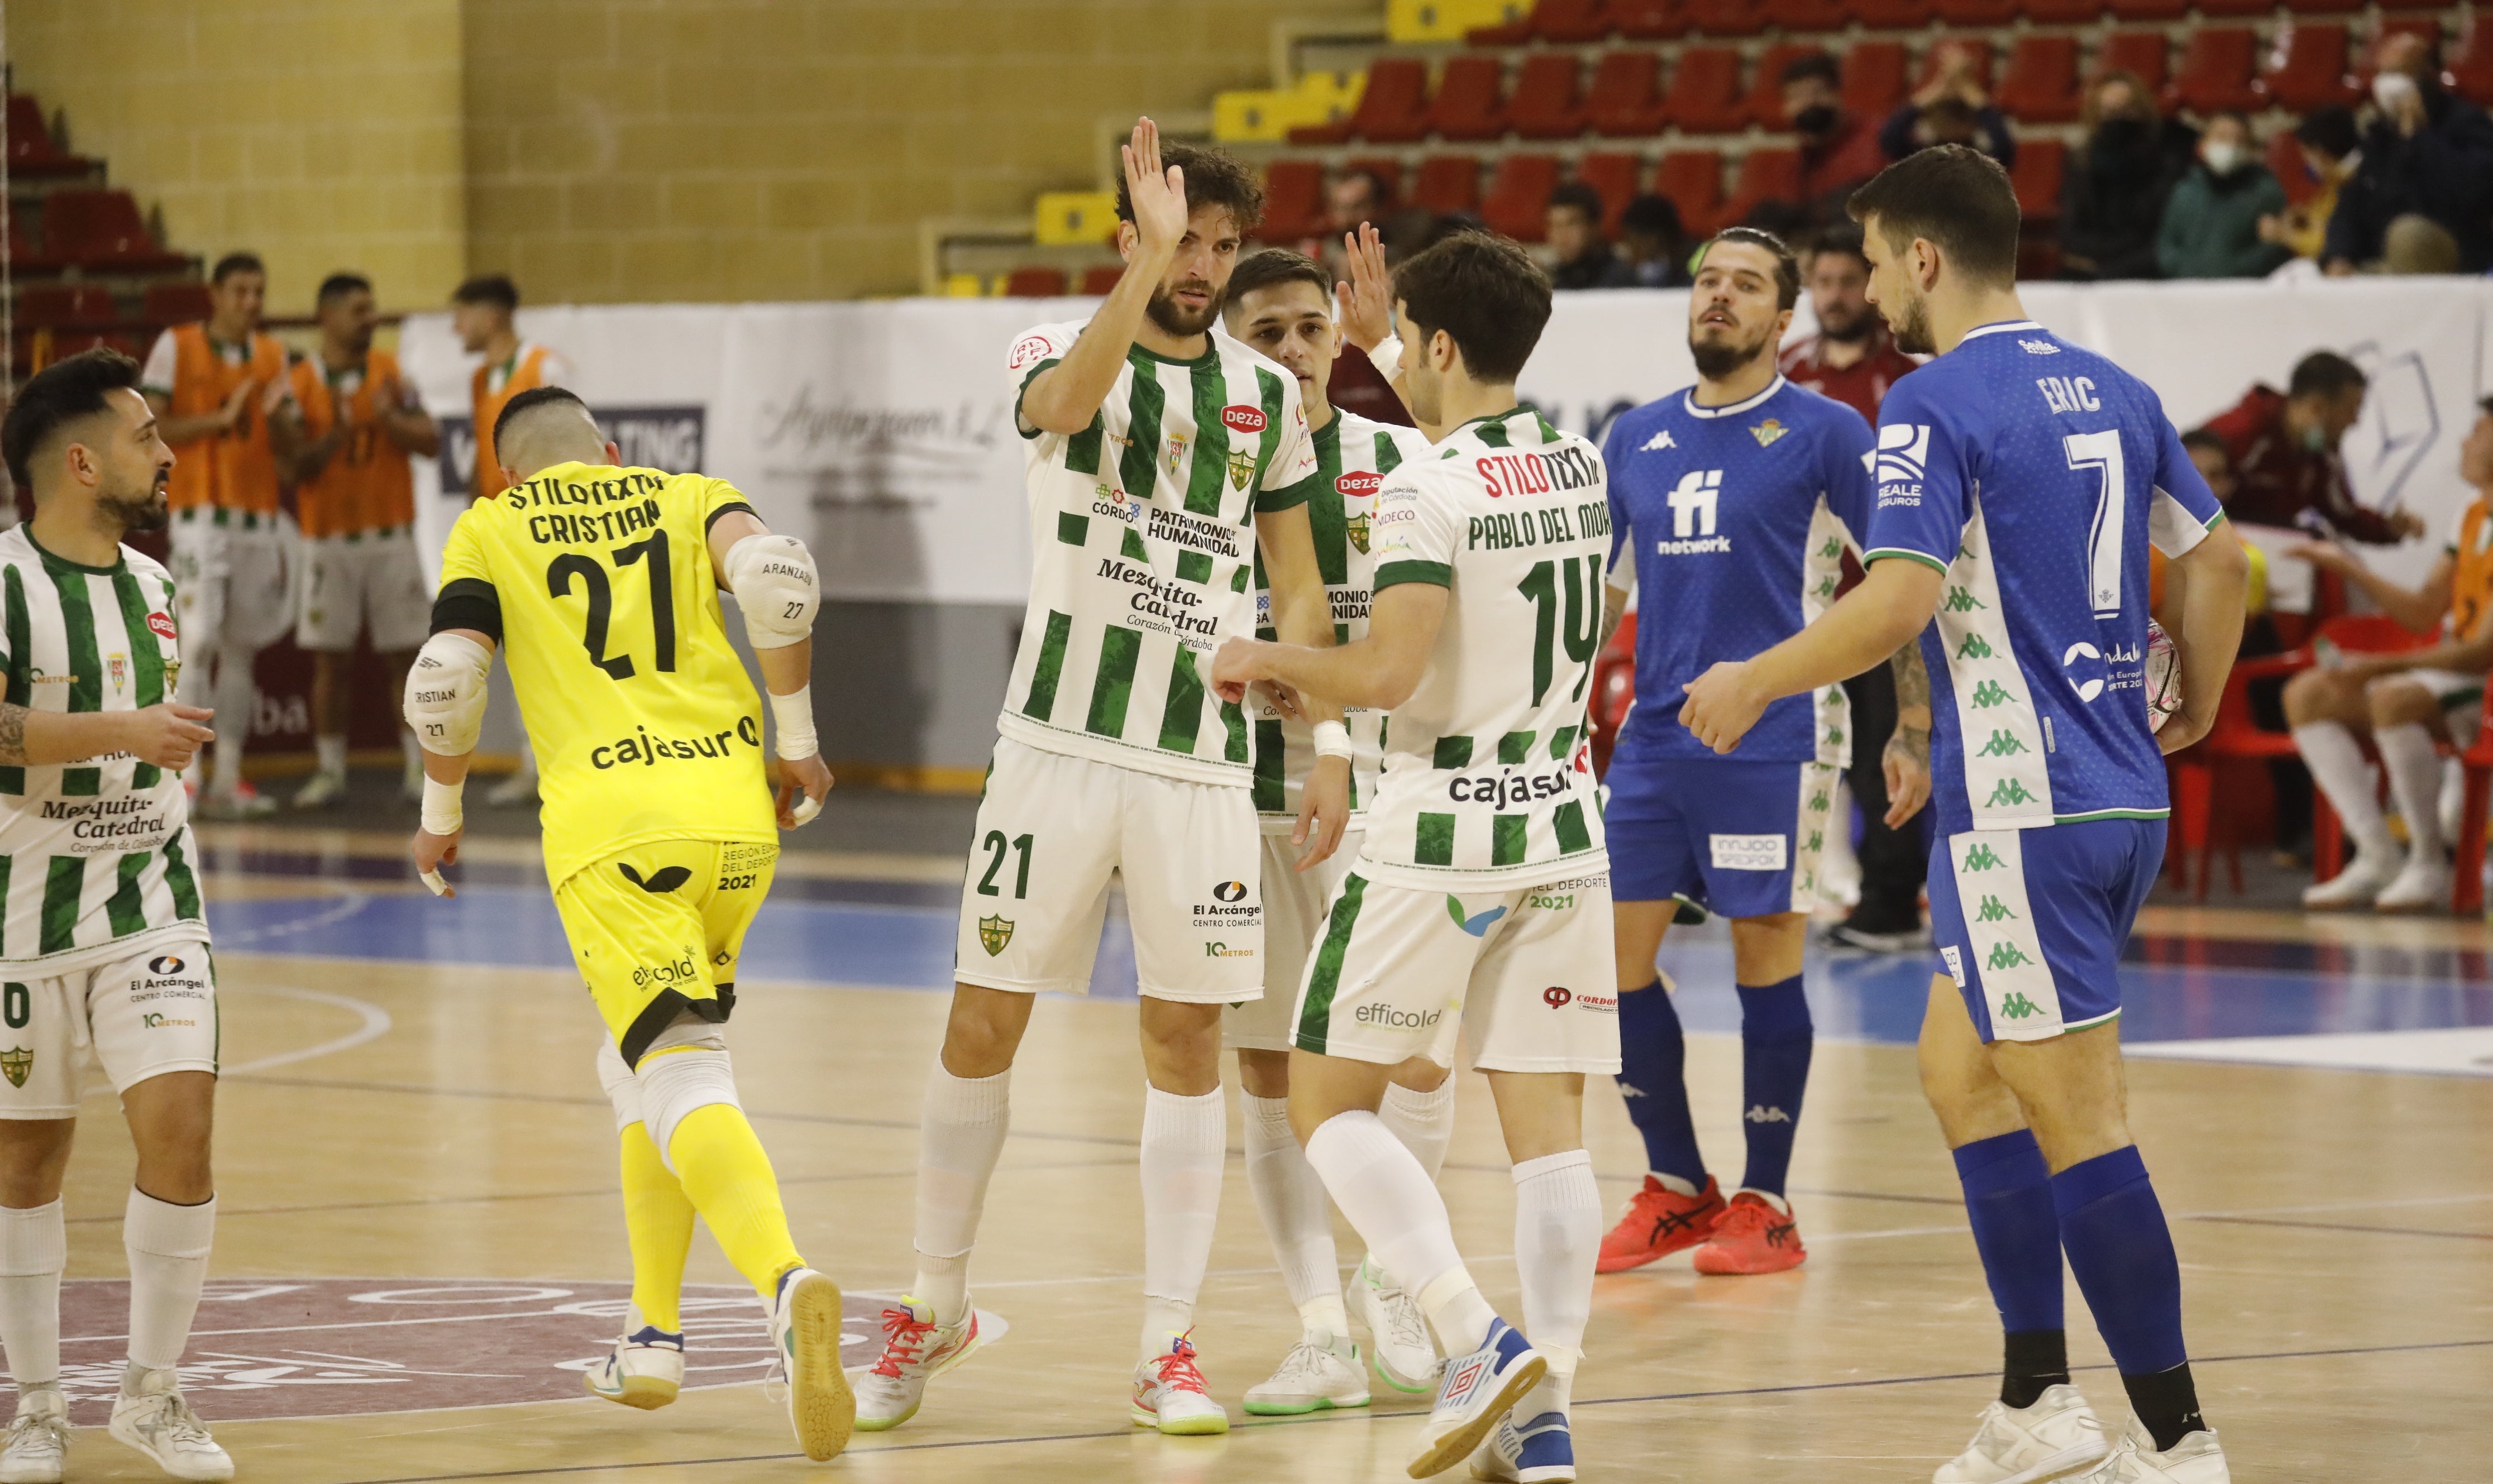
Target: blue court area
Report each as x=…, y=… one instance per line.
x=899, y=935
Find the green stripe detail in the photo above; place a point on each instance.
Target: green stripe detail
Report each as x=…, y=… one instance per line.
x=122, y=908
x=1316, y=1016
x=1923, y=557
x=1494, y=435
x=1269, y=387
x=1452, y=753
x=1516, y=747
x=20, y=637
x=1389, y=456
x=1071, y=529
x=64, y=883
x=1145, y=405
x=1238, y=578
x=1561, y=741
x=147, y=659
x=1233, y=722
x=1327, y=520
x=1119, y=649
x=1437, y=573
x=1195, y=566
x=1211, y=439
x=1433, y=842
x=1132, y=547
x=1050, y=668
x=2112, y=813
x=86, y=669
x=1272, y=767
x=1181, y=720
x=1568, y=819
x=178, y=880
x=1506, y=838
x=1082, y=449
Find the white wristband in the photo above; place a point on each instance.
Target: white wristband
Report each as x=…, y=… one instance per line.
x=443, y=815
x=1333, y=739
x=1386, y=355
x=795, y=715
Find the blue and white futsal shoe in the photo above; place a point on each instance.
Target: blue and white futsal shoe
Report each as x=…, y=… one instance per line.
x=1541, y=1451
x=1478, y=1391
x=644, y=1369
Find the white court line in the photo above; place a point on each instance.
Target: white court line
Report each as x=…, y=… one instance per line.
x=345, y=906
x=376, y=1025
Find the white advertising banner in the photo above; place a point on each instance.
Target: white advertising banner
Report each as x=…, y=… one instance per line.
x=881, y=433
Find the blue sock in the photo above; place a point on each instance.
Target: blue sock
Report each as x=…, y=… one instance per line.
x=1775, y=1040
x=2122, y=1252
x=1653, y=1061
x=2017, y=1230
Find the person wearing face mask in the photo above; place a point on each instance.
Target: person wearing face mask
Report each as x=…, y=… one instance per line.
x=1837, y=151
x=2111, y=198
x=2211, y=221
x=2426, y=151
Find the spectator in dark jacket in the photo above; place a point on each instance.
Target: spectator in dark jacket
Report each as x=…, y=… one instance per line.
x=1574, y=234
x=2427, y=153
x=2287, y=471
x=2111, y=199
x=1653, y=247
x=2211, y=221
x=1838, y=152
x=1951, y=109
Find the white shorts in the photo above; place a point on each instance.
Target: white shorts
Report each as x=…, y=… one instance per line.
x=373, y=576
x=1524, y=978
x=2451, y=689
x=234, y=579
x=152, y=1013
x=1051, y=829
x=1294, y=914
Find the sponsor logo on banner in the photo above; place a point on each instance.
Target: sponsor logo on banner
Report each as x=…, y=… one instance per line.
x=1238, y=417
x=1750, y=852
x=669, y=438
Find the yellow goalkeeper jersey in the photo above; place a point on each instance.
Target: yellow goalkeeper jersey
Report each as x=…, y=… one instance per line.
x=597, y=584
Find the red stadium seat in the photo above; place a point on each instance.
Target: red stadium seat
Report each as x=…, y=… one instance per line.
x=2428, y=30
x=1692, y=179
x=1384, y=168
x=1623, y=101
x=1649, y=21
x=2257, y=8
x=1546, y=105
x=1393, y=107
x=1765, y=175
x=101, y=229
x=1798, y=17
x=2063, y=13
x=2037, y=178
x=1100, y=280
x=2040, y=84
x=2313, y=73
x=2412, y=4
x=1974, y=13
x=1615, y=176
x=2133, y=51
x=2149, y=10
x=1980, y=47
x=24, y=259
x=1294, y=200
x=2470, y=64
x=1705, y=95
x=1874, y=78
x=1892, y=15
x=1763, y=106
x=1511, y=33
x=1518, y=203
x=1448, y=184
x=2216, y=70
x=1034, y=282
x=1572, y=23
x=1467, y=104
x=1725, y=18
x=51, y=306
x=31, y=150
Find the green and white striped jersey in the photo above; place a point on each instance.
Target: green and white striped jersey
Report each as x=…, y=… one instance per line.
x=96, y=857
x=1143, y=547
x=1353, y=457
x=1488, y=779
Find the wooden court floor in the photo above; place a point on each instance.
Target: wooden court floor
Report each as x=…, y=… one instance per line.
x=430, y=1135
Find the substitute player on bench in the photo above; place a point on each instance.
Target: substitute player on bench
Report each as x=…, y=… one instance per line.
x=602, y=583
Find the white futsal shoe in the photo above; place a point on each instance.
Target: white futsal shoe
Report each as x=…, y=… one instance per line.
x=644, y=1369
x=1169, y=1394
x=2423, y=886
x=2196, y=1459
x=1321, y=1372
x=916, y=1350
x=2057, y=1437
x=38, y=1441
x=1400, y=1346
x=1478, y=1392
x=154, y=1419
x=322, y=791
x=806, y=1334
x=1542, y=1451
x=2359, y=884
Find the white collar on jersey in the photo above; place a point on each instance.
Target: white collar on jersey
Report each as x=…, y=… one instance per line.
x=2002, y=327
x=1737, y=408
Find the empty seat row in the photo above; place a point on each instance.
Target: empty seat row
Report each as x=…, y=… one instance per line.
x=96, y=231
x=62, y=305
x=1581, y=22
x=32, y=151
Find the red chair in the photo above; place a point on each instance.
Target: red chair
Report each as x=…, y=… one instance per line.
x=1765, y=175
x=2040, y=83
x=2475, y=760
x=1448, y=184
x=1974, y=13
x=24, y=259
x=2063, y=13
x=2141, y=52
x=55, y=305
x=1385, y=168
x=101, y=229
x=1572, y=23
x=2470, y=64
x=31, y=150
x=1294, y=200
x=1625, y=100
x=1613, y=692
x=2313, y=73
x=1518, y=203
x=1469, y=106
x=1100, y=280
x=1035, y=280
x=1795, y=17
x=1649, y=21
x=1763, y=106
x=1615, y=176
x=1874, y=78
x=2218, y=71
x=2151, y=10
x=2040, y=164
x=1692, y=179
x=1725, y=18
x=2285, y=161
x=2253, y=8
x=1705, y=95
x=2412, y=5
x=1393, y=107
x=1892, y=15
x=1546, y=105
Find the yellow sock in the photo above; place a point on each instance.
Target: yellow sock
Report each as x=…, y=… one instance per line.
x=724, y=1170
x=659, y=1220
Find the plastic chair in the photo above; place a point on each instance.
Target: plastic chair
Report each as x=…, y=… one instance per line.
x=2141, y=52
x=1517, y=202
x=1294, y=200
x=2217, y=71
x=102, y=229
x=1874, y=78
x=1546, y=105
x=2063, y=13
x=2036, y=179
x=1613, y=692
x=1572, y=23
x=2313, y=72
x=2470, y=64
x=1765, y=175
x=2040, y=83
x=1448, y=184
x=56, y=305
x=1796, y=17
x=1892, y=15
x=2475, y=762
x=2151, y=10
x=1615, y=176
x=174, y=304
x=1036, y=281
x=1725, y=18
x=1974, y=13
x=1692, y=179
x=1649, y=21
x=1393, y=107
x=1705, y=95
x=1623, y=101
x=1763, y=104
x=1469, y=105
x=2285, y=161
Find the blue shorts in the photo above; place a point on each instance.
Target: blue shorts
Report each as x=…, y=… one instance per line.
x=1738, y=838
x=2031, y=922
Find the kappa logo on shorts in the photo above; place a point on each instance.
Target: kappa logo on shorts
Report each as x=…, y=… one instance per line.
x=994, y=933
x=2017, y=1007
x=1556, y=996
x=660, y=881
x=1477, y=926
x=165, y=965
x=15, y=1063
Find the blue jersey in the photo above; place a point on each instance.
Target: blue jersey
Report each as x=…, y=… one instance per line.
x=1730, y=524
x=2034, y=473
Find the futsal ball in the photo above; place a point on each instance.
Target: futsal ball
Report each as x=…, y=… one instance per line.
x=2163, y=676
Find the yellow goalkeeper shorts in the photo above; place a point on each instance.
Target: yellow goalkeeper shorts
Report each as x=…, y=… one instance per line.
x=656, y=929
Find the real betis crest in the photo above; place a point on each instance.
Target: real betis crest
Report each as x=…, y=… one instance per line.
x=1767, y=431
x=15, y=1063
x=993, y=934
x=1242, y=468
x=1356, y=528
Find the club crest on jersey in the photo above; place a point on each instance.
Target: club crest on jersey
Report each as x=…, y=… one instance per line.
x=1356, y=528
x=172, y=674
x=160, y=625
x=1241, y=467
x=1173, y=453
x=1767, y=431
x=993, y=934
x=1239, y=417
x=1029, y=349
x=117, y=667
x=15, y=1063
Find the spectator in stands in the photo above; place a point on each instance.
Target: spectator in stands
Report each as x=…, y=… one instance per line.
x=1358, y=195
x=2111, y=199
x=1838, y=152
x=1951, y=109
x=1574, y=234
x=1653, y=246
x=2284, y=452
x=2211, y=221
x=2427, y=151
x=2330, y=148
x=2415, y=242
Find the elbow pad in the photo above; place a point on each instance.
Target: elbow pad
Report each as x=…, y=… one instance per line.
x=773, y=580
x=446, y=694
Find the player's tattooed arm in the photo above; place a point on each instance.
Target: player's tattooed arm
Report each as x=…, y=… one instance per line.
x=1907, y=757
x=13, y=735
x=167, y=734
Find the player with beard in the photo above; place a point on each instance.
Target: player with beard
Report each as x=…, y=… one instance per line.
x=1731, y=507
x=1155, y=443
x=1852, y=359
x=2021, y=479
x=101, y=939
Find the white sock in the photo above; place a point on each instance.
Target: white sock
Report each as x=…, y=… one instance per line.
x=2344, y=774
x=2415, y=782
x=1677, y=1185
x=960, y=1133
x=1186, y=1142
x=33, y=1248
x=332, y=752
x=234, y=698
x=168, y=1246
x=1297, y=1216
x=1558, y=1389
x=1557, y=1236
x=1424, y=1121
x=1396, y=1210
